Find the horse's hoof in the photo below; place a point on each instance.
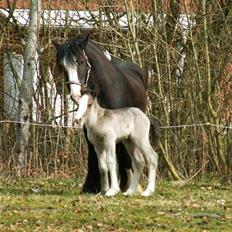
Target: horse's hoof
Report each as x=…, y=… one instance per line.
x=111, y=192
x=103, y=192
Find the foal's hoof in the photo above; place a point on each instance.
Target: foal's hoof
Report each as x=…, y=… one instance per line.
x=111, y=192
x=147, y=193
x=129, y=192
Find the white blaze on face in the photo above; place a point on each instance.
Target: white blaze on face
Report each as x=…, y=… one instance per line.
x=83, y=105
x=75, y=86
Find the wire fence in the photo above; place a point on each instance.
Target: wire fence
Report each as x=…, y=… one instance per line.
x=76, y=126
x=62, y=150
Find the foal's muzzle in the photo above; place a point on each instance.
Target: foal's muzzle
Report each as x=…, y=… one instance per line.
x=75, y=98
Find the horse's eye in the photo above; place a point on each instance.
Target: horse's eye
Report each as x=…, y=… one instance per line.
x=82, y=61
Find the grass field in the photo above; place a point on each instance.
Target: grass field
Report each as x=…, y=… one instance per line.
x=57, y=205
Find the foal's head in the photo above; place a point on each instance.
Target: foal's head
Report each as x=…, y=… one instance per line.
x=72, y=60
x=87, y=99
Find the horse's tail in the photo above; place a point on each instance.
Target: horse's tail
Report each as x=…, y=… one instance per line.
x=154, y=132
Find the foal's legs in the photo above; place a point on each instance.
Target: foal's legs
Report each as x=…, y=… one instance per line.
x=124, y=166
x=152, y=162
x=112, y=167
x=137, y=165
x=104, y=181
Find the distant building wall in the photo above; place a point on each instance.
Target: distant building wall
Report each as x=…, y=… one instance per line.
x=117, y=5
x=11, y=82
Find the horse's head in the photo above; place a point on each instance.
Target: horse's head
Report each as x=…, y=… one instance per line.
x=72, y=60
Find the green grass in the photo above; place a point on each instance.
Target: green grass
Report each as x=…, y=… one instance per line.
x=58, y=206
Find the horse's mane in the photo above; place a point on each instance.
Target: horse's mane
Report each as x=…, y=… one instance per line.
x=121, y=64
x=68, y=50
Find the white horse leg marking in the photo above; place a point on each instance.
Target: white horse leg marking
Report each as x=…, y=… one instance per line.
x=73, y=78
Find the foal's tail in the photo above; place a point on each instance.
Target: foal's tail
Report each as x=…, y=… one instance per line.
x=154, y=132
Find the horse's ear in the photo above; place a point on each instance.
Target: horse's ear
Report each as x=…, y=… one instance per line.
x=84, y=42
x=56, y=44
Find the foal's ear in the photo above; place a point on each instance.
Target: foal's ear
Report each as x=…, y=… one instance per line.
x=84, y=41
x=95, y=91
x=56, y=44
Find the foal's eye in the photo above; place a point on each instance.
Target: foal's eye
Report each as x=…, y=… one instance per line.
x=82, y=61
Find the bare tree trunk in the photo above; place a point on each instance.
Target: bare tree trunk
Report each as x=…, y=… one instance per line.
x=211, y=109
x=26, y=88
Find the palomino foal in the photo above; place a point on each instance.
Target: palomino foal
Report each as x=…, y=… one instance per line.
x=107, y=127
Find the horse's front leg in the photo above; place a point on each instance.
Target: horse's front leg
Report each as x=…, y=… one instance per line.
x=92, y=181
x=112, y=167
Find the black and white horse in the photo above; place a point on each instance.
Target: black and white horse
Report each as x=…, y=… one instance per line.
x=121, y=84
